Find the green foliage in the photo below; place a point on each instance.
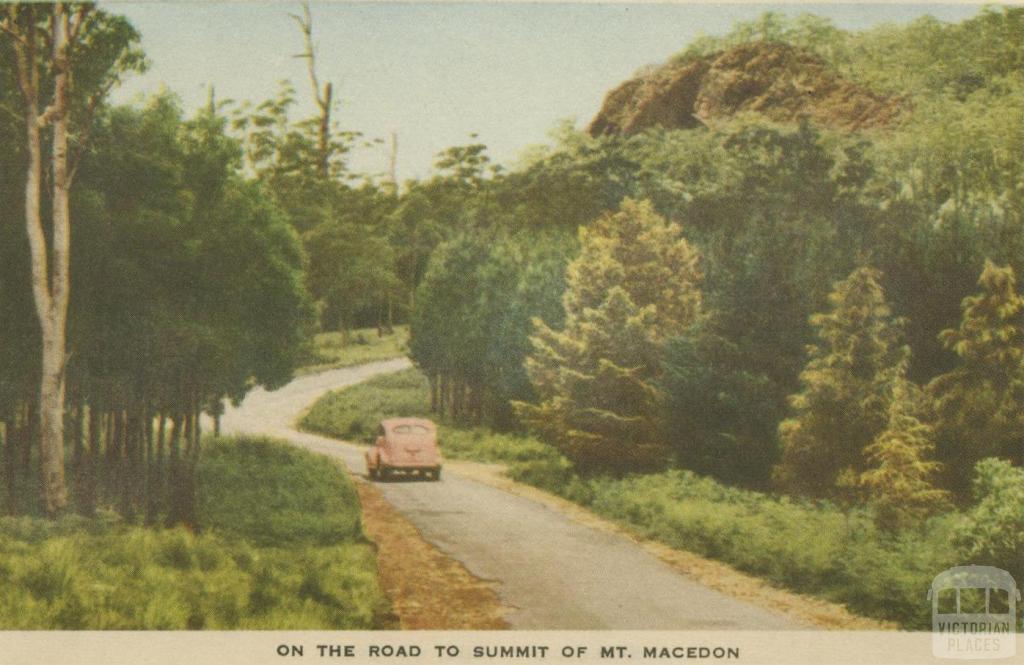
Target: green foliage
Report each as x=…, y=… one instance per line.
x=634, y=285
x=329, y=350
x=354, y=413
x=901, y=481
x=980, y=403
x=350, y=268
x=925, y=57
x=847, y=387
x=313, y=502
x=809, y=548
x=266, y=558
x=777, y=216
x=189, y=279
x=470, y=328
x=992, y=531
x=719, y=418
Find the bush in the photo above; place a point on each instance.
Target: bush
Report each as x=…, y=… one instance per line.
x=992, y=531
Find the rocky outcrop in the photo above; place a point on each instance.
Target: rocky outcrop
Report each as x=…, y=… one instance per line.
x=778, y=81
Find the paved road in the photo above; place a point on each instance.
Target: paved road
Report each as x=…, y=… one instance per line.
x=555, y=573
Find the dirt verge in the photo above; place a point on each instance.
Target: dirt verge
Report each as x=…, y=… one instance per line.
x=428, y=589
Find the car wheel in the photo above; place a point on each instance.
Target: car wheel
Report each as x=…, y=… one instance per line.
x=373, y=473
x=384, y=473
x=436, y=474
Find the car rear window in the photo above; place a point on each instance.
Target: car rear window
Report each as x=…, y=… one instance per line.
x=411, y=429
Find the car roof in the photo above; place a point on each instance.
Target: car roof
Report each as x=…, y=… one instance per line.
x=391, y=423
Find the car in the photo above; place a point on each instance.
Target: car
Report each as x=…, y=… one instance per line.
x=407, y=446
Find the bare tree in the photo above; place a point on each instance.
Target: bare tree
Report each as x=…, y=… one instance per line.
x=324, y=96
x=393, y=161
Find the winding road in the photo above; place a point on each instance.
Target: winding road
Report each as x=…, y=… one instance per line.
x=553, y=572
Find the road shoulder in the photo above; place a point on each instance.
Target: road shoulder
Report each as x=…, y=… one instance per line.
x=428, y=589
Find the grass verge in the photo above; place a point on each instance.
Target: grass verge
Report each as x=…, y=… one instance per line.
x=812, y=548
x=329, y=350
x=280, y=546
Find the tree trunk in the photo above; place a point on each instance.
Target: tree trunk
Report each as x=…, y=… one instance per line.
x=443, y=395
x=50, y=283
x=87, y=504
x=10, y=464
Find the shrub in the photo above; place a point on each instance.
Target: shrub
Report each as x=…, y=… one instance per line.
x=992, y=531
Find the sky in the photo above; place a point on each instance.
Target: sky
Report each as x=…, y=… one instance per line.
x=435, y=73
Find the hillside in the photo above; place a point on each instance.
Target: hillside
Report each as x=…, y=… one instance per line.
x=779, y=81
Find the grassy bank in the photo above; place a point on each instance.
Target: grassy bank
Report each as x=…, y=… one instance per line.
x=813, y=548
x=279, y=547
x=353, y=414
x=329, y=350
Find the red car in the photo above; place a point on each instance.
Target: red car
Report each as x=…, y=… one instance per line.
x=404, y=445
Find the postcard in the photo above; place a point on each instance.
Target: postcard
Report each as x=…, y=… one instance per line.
x=435, y=332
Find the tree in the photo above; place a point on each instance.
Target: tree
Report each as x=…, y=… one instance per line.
x=900, y=483
x=720, y=417
x=89, y=51
x=980, y=403
x=351, y=266
x=847, y=387
x=190, y=291
x=324, y=97
x=634, y=286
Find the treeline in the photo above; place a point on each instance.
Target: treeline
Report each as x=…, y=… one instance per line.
x=186, y=279
x=187, y=289
x=850, y=327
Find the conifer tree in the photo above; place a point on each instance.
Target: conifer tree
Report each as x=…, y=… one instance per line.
x=634, y=285
x=901, y=483
x=847, y=387
x=980, y=403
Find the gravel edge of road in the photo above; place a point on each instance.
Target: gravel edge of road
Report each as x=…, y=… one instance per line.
x=428, y=589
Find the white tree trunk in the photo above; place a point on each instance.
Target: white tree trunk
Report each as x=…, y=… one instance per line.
x=52, y=386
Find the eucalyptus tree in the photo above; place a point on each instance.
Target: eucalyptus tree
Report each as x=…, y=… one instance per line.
x=66, y=58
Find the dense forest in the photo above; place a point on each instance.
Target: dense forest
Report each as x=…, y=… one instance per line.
x=754, y=289
x=783, y=304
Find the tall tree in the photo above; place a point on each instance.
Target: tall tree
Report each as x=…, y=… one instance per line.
x=847, y=387
x=980, y=403
x=324, y=97
x=634, y=285
x=78, y=39
x=900, y=482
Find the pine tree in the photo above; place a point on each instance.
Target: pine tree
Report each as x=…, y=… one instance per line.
x=634, y=285
x=846, y=384
x=980, y=404
x=900, y=486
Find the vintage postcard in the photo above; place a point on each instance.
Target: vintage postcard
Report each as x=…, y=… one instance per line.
x=437, y=332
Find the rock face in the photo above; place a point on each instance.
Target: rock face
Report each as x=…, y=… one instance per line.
x=775, y=80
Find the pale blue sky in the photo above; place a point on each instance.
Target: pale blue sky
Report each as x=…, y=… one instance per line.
x=434, y=73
